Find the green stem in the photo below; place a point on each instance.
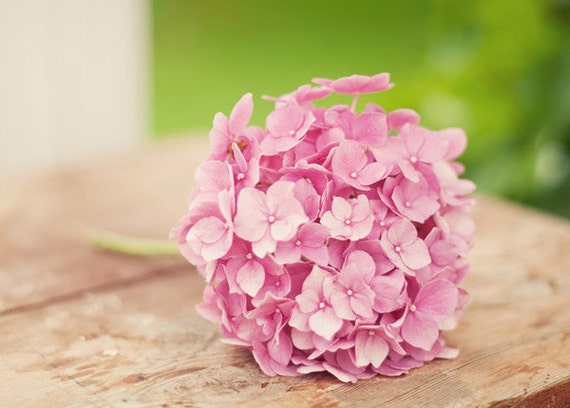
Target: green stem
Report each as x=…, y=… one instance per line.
x=132, y=246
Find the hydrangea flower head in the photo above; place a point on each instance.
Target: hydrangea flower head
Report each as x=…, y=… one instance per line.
x=331, y=240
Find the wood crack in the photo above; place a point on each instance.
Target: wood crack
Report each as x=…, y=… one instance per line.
x=170, y=271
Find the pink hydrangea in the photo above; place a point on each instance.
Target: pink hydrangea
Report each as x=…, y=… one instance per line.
x=332, y=239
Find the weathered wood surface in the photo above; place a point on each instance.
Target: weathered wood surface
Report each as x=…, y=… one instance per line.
x=85, y=328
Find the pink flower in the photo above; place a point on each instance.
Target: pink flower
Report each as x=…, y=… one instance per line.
x=414, y=148
x=404, y=248
x=220, y=306
x=350, y=295
x=211, y=236
x=332, y=240
x=272, y=314
x=273, y=348
x=264, y=219
x=286, y=127
x=352, y=165
x=248, y=274
x=349, y=219
x=372, y=344
x=434, y=303
x=269, y=365
x=357, y=84
x=383, y=218
x=368, y=128
x=415, y=200
x=309, y=242
x=314, y=311
x=227, y=131
x=453, y=189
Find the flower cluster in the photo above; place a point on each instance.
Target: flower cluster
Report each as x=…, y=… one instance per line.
x=331, y=240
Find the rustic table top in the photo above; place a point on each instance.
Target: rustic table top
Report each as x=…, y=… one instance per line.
x=80, y=327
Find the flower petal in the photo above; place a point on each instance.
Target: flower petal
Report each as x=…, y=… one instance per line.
x=341, y=208
x=372, y=173
x=437, y=298
x=251, y=220
x=375, y=349
x=280, y=348
x=325, y=323
x=241, y=113
x=250, y=277
x=415, y=255
x=402, y=232
x=208, y=230
x=420, y=330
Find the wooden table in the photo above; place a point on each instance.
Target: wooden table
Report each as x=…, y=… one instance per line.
x=80, y=327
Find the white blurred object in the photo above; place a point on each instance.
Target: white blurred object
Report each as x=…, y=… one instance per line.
x=73, y=80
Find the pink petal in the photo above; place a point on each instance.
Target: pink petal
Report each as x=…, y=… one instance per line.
x=313, y=235
x=250, y=277
x=415, y=205
x=361, y=304
x=372, y=173
x=448, y=352
x=280, y=348
x=209, y=230
x=318, y=255
x=220, y=138
x=388, y=289
x=348, y=158
x=402, y=232
x=437, y=298
x=370, y=348
x=241, y=114
x=364, y=263
x=278, y=193
x=370, y=129
x=401, y=117
x=264, y=246
x=325, y=323
x=226, y=204
x=282, y=230
x=456, y=142
x=357, y=84
x=308, y=197
x=315, y=279
x=340, y=302
x=217, y=250
x=287, y=252
x=214, y=176
x=251, y=219
x=303, y=340
x=408, y=170
x=341, y=208
x=340, y=374
x=415, y=255
x=361, y=229
x=420, y=330
x=282, y=120
x=361, y=209
x=433, y=148
x=308, y=300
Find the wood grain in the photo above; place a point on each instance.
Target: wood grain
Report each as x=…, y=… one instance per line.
x=85, y=328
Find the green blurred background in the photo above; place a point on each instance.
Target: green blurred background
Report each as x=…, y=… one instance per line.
x=499, y=69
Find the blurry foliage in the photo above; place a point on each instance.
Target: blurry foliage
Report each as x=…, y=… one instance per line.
x=499, y=69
